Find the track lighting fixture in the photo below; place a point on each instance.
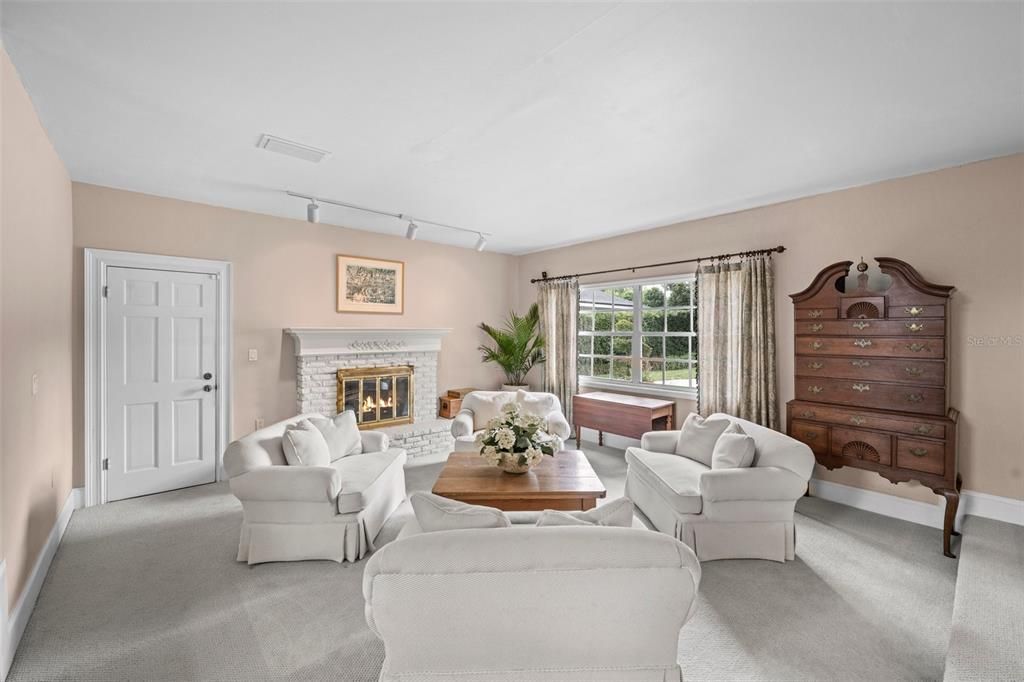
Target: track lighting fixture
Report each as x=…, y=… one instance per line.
x=313, y=216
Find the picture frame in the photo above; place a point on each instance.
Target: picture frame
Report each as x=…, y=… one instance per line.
x=370, y=285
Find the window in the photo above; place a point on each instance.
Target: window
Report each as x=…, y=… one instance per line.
x=639, y=333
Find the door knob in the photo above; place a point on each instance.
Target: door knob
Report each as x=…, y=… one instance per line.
x=207, y=376
x=207, y=388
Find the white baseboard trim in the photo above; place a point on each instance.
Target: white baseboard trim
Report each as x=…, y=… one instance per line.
x=14, y=626
x=1004, y=509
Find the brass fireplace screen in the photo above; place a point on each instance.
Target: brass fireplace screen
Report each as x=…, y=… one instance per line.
x=380, y=396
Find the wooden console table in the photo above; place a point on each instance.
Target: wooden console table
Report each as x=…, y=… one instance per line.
x=624, y=415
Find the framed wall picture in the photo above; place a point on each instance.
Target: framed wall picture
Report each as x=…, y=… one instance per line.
x=370, y=285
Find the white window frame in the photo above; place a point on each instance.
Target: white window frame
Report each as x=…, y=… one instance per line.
x=637, y=385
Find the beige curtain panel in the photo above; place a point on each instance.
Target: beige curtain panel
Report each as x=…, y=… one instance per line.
x=736, y=340
x=558, y=303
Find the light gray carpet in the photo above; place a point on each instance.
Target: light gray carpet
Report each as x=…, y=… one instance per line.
x=987, y=638
x=148, y=589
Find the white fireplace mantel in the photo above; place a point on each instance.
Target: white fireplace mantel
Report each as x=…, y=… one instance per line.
x=343, y=341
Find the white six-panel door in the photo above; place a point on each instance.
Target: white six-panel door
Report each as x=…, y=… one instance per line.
x=161, y=348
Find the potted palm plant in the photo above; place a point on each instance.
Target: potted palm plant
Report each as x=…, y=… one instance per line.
x=517, y=347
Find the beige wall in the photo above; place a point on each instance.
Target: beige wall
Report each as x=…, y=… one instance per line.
x=35, y=302
x=284, y=276
x=962, y=226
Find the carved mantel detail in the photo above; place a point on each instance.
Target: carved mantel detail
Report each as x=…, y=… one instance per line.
x=339, y=341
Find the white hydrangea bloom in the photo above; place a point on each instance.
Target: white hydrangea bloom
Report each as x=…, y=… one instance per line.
x=510, y=408
x=506, y=438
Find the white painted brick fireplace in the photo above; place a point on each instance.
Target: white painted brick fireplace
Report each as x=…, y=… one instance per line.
x=321, y=352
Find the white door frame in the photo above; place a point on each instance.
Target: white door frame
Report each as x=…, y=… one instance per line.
x=96, y=263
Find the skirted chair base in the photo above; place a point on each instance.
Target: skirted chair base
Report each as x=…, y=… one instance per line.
x=341, y=537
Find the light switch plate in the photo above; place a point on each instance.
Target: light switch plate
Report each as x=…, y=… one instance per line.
x=35, y=384
x=253, y=355
x=259, y=423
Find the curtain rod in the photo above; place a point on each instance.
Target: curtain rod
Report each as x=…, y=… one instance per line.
x=544, y=275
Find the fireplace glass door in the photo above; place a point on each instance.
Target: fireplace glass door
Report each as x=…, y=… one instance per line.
x=378, y=396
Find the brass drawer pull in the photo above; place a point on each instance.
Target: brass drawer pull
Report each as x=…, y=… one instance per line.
x=861, y=325
x=807, y=415
x=915, y=397
x=924, y=429
x=913, y=371
x=817, y=327
x=860, y=363
x=860, y=388
x=815, y=365
x=817, y=345
x=862, y=343
x=810, y=435
x=814, y=313
x=919, y=452
x=913, y=311
x=815, y=389
x=917, y=347
x=857, y=420
x=915, y=327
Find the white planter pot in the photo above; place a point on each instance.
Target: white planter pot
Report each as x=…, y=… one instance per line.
x=512, y=388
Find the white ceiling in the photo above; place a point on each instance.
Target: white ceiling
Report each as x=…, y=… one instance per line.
x=545, y=124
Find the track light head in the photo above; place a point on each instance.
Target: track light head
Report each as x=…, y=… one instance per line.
x=481, y=243
x=313, y=212
x=410, y=232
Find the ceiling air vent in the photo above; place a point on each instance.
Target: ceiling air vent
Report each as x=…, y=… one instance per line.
x=299, y=151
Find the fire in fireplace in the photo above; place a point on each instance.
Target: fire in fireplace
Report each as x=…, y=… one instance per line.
x=379, y=396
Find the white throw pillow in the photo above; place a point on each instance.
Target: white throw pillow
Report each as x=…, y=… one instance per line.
x=698, y=437
x=616, y=513
x=486, y=405
x=341, y=434
x=733, y=450
x=304, y=445
x=434, y=512
x=536, y=404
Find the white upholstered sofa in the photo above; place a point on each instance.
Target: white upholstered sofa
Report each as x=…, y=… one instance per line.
x=735, y=513
x=480, y=406
x=291, y=513
x=565, y=603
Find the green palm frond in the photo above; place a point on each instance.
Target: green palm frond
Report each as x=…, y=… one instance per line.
x=518, y=346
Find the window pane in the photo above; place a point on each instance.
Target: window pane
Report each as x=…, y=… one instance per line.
x=605, y=298
x=653, y=346
x=622, y=345
x=652, y=371
x=586, y=297
x=585, y=322
x=623, y=321
x=677, y=347
x=694, y=347
x=679, y=321
x=583, y=367
x=623, y=297
x=584, y=345
x=603, y=321
x=653, y=296
x=622, y=369
x=678, y=373
x=602, y=345
x=678, y=293
x=602, y=367
x=654, y=321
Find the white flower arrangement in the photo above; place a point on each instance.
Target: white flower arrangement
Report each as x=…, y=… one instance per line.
x=515, y=440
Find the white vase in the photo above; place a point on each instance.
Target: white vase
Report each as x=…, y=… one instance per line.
x=512, y=388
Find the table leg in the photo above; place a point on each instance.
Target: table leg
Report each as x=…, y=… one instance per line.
x=959, y=483
x=600, y=437
x=577, y=436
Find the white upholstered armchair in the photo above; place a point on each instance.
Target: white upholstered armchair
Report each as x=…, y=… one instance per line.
x=729, y=513
x=479, y=407
x=552, y=604
x=291, y=513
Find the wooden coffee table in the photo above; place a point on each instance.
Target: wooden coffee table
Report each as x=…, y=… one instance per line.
x=565, y=481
